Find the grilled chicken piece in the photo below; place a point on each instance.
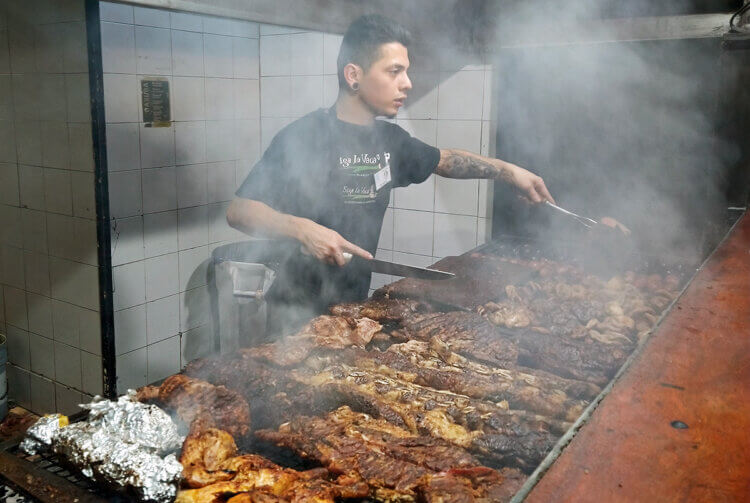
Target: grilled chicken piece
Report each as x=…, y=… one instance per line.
x=201, y=405
x=398, y=465
x=214, y=473
x=331, y=332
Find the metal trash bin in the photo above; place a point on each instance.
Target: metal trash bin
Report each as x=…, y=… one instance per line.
x=239, y=276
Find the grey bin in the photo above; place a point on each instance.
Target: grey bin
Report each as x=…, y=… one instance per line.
x=239, y=277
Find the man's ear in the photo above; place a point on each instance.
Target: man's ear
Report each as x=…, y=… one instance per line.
x=353, y=74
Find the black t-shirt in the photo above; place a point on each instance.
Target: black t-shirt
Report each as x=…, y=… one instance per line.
x=334, y=173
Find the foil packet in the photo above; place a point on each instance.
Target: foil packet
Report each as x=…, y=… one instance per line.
x=127, y=445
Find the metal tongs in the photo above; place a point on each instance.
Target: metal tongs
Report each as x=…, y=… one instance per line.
x=585, y=221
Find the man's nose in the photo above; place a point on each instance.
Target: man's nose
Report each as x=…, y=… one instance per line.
x=406, y=84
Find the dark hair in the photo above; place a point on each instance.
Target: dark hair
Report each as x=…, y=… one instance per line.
x=362, y=41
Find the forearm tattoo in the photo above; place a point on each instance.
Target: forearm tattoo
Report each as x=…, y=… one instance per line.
x=461, y=164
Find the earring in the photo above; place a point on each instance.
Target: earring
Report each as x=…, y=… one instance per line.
x=355, y=86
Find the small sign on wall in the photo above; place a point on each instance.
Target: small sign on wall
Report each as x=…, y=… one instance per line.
x=155, y=102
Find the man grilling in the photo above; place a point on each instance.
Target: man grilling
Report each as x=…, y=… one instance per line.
x=324, y=182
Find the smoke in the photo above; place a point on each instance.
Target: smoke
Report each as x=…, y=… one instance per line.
x=626, y=130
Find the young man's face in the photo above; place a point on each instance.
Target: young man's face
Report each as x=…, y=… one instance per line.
x=384, y=85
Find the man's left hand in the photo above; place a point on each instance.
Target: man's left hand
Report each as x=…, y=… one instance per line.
x=532, y=186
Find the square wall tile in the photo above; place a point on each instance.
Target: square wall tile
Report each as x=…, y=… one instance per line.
x=454, y=234
x=330, y=89
x=7, y=150
x=55, y=146
x=193, y=268
x=89, y=326
x=34, y=230
x=424, y=130
x=11, y=232
x=21, y=48
x=412, y=231
x=121, y=104
x=219, y=99
x=159, y=189
x=19, y=386
x=16, y=313
x=190, y=142
x=192, y=227
x=412, y=260
x=422, y=100
x=160, y=233
x=217, y=25
x=91, y=373
x=246, y=29
x=419, y=196
x=185, y=21
x=68, y=365
x=218, y=227
x=118, y=48
x=162, y=277
x=84, y=200
x=194, y=309
x=484, y=230
x=126, y=240
x=58, y=193
x=331, y=46
x=74, y=282
x=163, y=359
x=153, y=48
x=269, y=127
x=125, y=194
x=191, y=185
x=157, y=146
x=67, y=399
x=75, y=53
x=36, y=271
x=130, y=329
x=220, y=140
x=246, y=94
x=6, y=94
x=12, y=267
x=464, y=135
x=247, y=143
x=461, y=95
x=162, y=318
x=40, y=314
x=386, y=231
x=217, y=56
x=306, y=53
x=66, y=323
x=118, y=13
x=26, y=91
x=129, y=285
x=221, y=181
x=272, y=29
x=78, y=98
x=189, y=99
x=42, y=395
x=196, y=343
x=49, y=50
x=145, y=16
x=245, y=58
x=456, y=196
x=275, y=95
x=131, y=370
x=307, y=94
x=18, y=347
x=81, y=146
x=42, y=355
x=187, y=53
x=122, y=147
x=52, y=95
x=31, y=186
x=28, y=142
x=275, y=55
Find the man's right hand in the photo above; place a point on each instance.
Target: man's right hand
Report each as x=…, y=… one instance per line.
x=327, y=245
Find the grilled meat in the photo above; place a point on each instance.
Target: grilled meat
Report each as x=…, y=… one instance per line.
x=439, y=368
x=331, y=332
x=382, y=310
x=396, y=464
x=213, y=470
x=202, y=405
x=479, y=279
x=468, y=334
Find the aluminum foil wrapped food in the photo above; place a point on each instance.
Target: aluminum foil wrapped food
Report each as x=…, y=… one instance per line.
x=40, y=434
x=124, y=444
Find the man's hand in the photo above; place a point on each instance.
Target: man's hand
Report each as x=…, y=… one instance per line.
x=327, y=245
x=531, y=186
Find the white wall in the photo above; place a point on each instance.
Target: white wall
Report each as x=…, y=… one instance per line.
x=234, y=85
x=49, y=291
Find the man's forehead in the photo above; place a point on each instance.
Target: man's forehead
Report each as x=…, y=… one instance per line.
x=393, y=53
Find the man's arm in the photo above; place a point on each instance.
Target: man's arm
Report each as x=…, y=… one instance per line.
x=258, y=219
x=462, y=164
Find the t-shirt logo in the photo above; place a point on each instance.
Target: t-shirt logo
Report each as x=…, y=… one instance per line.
x=357, y=172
